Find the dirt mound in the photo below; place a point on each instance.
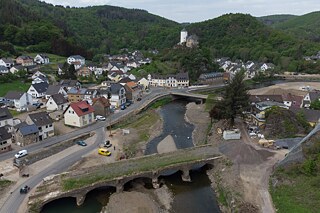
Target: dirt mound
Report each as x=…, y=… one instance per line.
x=243, y=153
x=282, y=123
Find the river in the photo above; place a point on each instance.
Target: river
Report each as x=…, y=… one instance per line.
x=196, y=196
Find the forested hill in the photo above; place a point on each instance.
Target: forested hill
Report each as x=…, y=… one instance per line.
x=243, y=36
x=275, y=19
x=306, y=26
x=43, y=27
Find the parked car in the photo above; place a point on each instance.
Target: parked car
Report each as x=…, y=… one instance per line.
x=123, y=107
x=107, y=144
x=81, y=143
x=25, y=189
x=100, y=118
x=138, y=99
x=21, y=153
x=104, y=151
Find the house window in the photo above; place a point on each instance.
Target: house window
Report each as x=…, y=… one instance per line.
x=50, y=125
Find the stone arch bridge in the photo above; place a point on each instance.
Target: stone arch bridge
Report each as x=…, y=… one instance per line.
x=79, y=182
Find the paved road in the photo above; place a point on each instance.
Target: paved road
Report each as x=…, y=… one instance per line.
x=12, y=204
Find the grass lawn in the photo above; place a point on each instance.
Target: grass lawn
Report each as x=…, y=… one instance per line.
x=13, y=86
x=210, y=101
x=53, y=58
x=299, y=194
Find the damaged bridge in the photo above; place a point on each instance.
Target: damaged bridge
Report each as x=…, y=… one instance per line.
x=79, y=182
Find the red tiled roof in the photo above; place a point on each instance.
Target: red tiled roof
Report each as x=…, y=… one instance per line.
x=82, y=108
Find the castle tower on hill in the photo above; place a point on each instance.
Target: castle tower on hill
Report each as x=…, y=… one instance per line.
x=183, y=36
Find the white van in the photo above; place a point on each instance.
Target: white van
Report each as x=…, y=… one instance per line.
x=21, y=154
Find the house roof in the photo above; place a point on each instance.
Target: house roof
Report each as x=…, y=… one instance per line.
x=270, y=104
x=59, y=99
x=125, y=80
x=26, y=129
x=105, y=102
x=211, y=75
x=53, y=89
x=43, y=55
x=310, y=114
x=68, y=83
x=5, y=114
x=77, y=57
x=24, y=57
x=314, y=95
x=41, y=87
x=81, y=108
x=115, y=88
x=40, y=118
x=280, y=91
x=11, y=95
x=7, y=60
x=18, y=67
x=131, y=84
x=4, y=134
x=80, y=91
x=260, y=98
x=43, y=78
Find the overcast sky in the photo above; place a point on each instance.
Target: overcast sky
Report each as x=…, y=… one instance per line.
x=200, y=10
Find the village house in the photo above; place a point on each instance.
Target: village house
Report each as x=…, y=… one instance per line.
x=26, y=134
x=77, y=65
x=144, y=83
x=76, y=58
x=5, y=117
x=41, y=59
x=178, y=80
x=56, y=89
x=156, y=80
x=38, y=74
x=133, y=91
x=115, y=76
x=182, y=79
x=7, y=62
x=84, y=71
x=68, y=84
x=118, y=95
x=310, y=97
x=79, y=114
x=43, y=122
x=101, y=106
x=57, y=102
x=24, y=60
x=311, y=116
x=209, y=78
x=38, y=90
x=40, y=79
x=91, y=94
x=16, y=68
x=5, y=140
x=18, y=100
x=76, y=95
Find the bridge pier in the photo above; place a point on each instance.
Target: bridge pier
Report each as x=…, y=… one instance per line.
x=80, y=199
x=155, y=183
x=185, y=175
x=119, y=188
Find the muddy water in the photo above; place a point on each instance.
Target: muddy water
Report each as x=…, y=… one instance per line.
x=196, y=196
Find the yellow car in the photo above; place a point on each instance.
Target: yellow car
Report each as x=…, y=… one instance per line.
x=103, y=151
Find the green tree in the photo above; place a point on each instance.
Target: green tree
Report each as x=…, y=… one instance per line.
x=235, y=99
x=315, y=104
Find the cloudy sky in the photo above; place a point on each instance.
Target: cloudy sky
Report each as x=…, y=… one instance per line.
x=200, y=10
